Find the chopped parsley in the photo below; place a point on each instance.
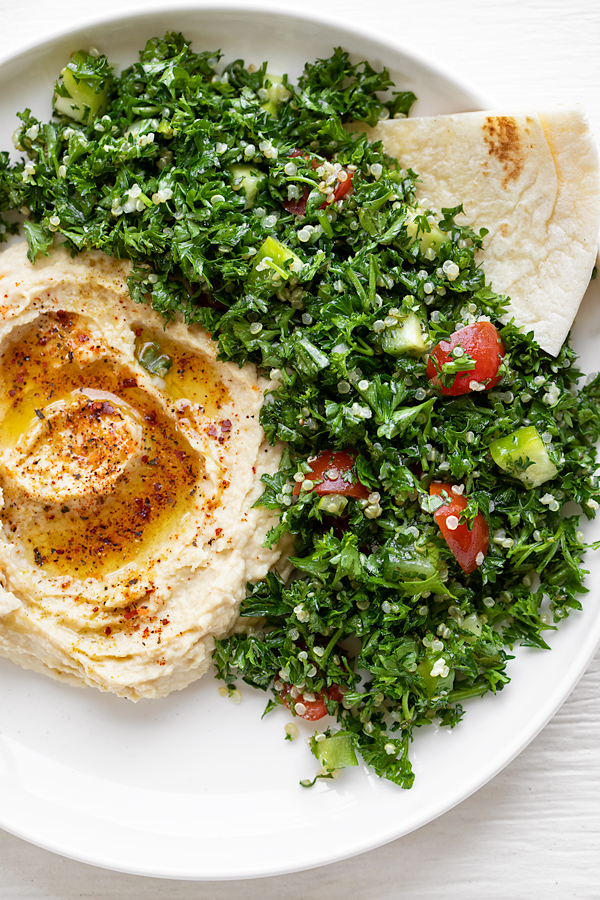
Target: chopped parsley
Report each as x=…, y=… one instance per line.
x=248, y=207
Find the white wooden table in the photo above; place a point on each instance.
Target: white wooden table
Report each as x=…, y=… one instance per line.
x=534, y=831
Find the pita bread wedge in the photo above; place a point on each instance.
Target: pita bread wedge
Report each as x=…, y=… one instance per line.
x=532, y=181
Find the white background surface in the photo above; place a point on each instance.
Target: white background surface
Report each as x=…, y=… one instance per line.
x=534, y=831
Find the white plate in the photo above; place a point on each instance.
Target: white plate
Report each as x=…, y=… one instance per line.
x=193, y=786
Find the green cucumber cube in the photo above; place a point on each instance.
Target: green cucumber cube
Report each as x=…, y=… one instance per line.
x=426, y=239
x=524, y=455
x=248, y=179
x=336, y=751
x=271, y=85
x=405, y=339
x=78, y=98
x=272, y=263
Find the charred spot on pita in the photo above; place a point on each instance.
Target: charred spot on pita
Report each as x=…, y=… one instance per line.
x=501, y=134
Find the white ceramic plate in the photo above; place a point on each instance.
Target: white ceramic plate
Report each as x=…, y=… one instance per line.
x=193, y=786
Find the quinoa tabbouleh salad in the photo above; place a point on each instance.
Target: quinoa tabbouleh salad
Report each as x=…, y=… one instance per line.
x=437, y=461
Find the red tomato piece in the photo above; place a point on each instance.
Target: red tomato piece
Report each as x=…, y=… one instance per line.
x=466, y=544
x=343, y=186
x=297, y=207
x=482, y=342
x=340, y=465
x=293, y=154
x=315, y=709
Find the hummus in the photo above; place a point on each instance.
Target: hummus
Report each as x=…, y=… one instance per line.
x=128, y=532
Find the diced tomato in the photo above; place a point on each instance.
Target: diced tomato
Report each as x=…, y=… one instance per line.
x=297, y=207
x=333, y=472
x=294, y=154
x=482, y=342
x=466, y=544
x=343, y=186
x=315, y=709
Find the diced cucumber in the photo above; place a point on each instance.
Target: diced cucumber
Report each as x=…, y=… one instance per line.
x=247, y=178
x=434, y=238
x=401, y=564
x=524, y=455
x=333, y=504
x=272, y=263
x=80, y=98
x=473, y=624
x=405, y=339
x=435, y=683
x=271, y=86
x=336, y=751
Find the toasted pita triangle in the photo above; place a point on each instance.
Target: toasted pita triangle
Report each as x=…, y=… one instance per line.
x=532, y=181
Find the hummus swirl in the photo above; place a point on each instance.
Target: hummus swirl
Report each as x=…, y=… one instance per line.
x=128, y=532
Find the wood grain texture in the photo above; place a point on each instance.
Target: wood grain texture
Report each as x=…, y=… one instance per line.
x=534, y=831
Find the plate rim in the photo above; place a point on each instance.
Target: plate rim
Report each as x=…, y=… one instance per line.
x=265, y=8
